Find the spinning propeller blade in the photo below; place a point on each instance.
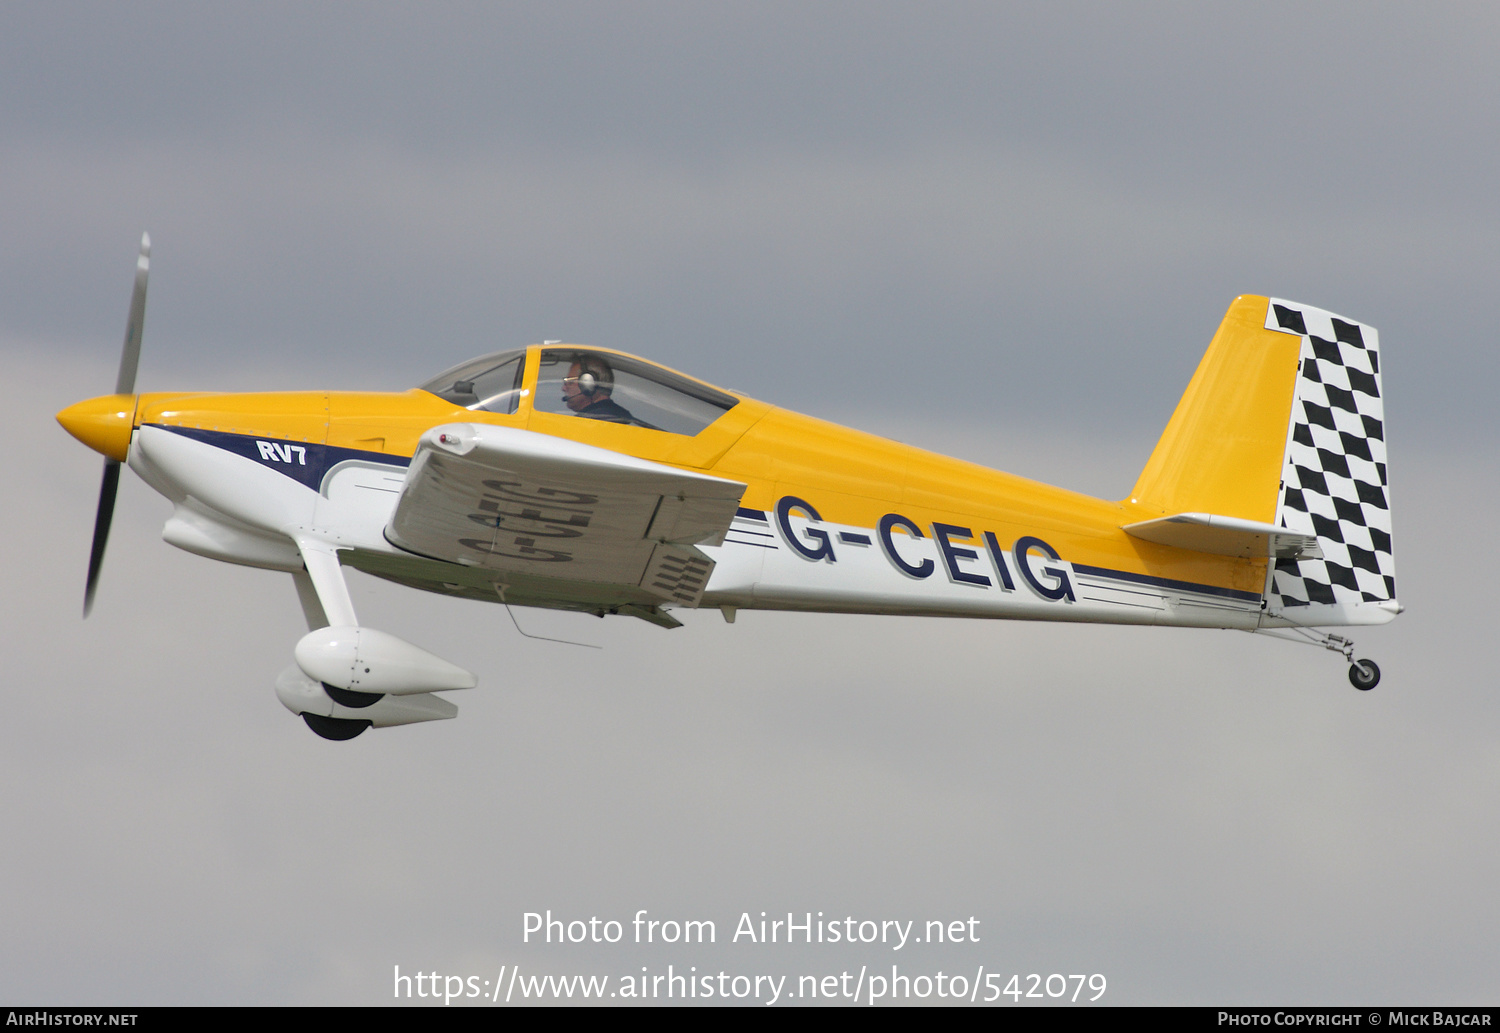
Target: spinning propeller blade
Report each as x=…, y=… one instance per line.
x=102, y=520
x=130, y=354
x=130, y=359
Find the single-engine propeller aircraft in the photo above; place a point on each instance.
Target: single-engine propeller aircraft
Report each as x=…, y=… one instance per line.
x=579, y=478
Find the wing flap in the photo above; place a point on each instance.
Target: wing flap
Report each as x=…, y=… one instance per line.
x=1226, y=536
x=514, y=501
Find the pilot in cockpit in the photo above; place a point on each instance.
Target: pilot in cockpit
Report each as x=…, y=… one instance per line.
x=587, y=389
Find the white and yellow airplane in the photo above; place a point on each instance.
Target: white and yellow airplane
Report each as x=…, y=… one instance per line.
x=580, y=478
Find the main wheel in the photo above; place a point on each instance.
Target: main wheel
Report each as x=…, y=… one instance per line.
x=349, y=698
x=1364, y=675
x=335, y=728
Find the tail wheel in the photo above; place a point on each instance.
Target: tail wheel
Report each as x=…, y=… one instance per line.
x=335, y=728
x=1364, y=675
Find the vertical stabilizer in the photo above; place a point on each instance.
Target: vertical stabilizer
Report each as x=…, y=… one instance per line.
x=1283, y=424
x=1223, y=450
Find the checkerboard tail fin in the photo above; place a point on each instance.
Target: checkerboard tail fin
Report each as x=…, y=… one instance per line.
x=1283, y=427
x=1334, y=477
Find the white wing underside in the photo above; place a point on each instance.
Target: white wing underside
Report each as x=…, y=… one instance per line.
x=520, y=503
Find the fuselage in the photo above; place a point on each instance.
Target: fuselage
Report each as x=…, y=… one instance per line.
x=833, y=519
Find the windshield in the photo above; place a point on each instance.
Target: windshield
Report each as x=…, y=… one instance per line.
x=620, y=389
x=491, y=383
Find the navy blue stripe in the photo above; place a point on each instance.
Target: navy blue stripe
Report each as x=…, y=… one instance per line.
x=758, y=545
x=318, y=458
x=1162, y=582
x=752, y=514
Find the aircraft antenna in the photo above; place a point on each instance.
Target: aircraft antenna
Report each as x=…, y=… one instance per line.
x=500, y=591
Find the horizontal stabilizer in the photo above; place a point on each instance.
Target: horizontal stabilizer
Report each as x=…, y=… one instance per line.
x=1226, y=536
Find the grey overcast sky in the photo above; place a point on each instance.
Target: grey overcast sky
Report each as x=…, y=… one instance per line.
x=1002, y=231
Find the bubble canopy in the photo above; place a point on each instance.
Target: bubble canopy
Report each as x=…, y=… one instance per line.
x=587, y=383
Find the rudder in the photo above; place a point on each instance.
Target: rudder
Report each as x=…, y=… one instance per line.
x=1335, y=478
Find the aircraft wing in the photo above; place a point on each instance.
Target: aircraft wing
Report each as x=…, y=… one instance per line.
x=518, y=502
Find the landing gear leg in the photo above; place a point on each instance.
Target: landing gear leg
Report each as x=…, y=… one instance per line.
x=1364, y=675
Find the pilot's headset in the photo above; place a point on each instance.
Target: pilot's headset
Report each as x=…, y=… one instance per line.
x=594, y=375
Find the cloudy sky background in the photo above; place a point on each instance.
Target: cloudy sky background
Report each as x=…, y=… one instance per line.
x=1006, y=234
